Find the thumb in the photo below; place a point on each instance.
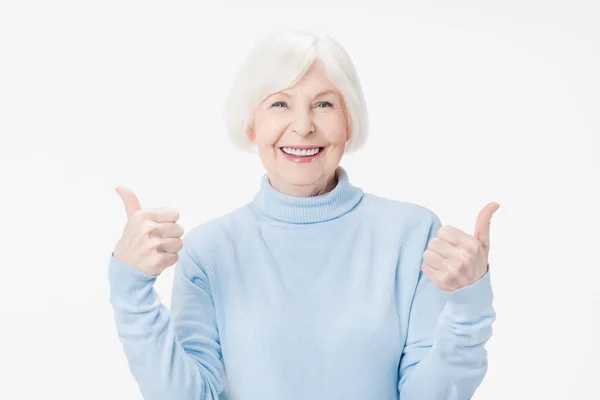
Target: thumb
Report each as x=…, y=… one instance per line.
x=130, y=200
x=484, y=219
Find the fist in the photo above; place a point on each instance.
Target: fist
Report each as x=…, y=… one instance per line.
x=455, y=259
x=151, y=238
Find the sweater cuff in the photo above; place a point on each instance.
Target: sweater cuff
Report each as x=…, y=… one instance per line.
x=473, y=300
x=125, y=279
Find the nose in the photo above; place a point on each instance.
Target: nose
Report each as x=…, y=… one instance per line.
x=302, y=122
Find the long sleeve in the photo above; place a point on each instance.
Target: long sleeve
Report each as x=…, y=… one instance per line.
x=171, y=358
x=445, y=357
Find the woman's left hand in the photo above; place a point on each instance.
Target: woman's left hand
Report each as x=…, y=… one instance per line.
x=455, y=259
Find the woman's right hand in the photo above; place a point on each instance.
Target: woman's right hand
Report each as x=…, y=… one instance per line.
x=151, y=238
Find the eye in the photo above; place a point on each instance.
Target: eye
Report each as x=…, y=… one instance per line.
x=279, y=102
x=326, y=103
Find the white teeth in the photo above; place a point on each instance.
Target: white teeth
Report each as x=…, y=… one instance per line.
x=303, y=152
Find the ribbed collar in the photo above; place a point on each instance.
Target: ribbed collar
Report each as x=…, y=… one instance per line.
x=305, y=210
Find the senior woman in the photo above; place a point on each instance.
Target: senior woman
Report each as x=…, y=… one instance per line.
x=314, y=289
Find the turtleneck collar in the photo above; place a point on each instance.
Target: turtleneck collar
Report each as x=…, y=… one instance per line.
x=305, y=210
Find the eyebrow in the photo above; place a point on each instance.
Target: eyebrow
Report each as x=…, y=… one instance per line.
x=321, y=93
x=324, y=92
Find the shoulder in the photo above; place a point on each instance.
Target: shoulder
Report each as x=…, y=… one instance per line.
x=206, y=241
x=400, y=218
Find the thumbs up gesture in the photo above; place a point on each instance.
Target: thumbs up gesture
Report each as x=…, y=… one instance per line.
x=455, y=259
x=151, y=238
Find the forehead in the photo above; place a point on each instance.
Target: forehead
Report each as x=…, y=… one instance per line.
x=316, y=74
x=314, y=81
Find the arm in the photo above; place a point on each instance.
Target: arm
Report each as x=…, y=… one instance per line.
x=445, y=357
x=170, y=358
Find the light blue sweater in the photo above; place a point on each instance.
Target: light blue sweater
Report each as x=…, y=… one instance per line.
x=305, y=298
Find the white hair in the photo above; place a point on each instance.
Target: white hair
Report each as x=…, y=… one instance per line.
x=280, y=60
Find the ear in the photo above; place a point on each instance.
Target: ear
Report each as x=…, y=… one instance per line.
x=348, y=122
x=348, y=129
x=251, y=134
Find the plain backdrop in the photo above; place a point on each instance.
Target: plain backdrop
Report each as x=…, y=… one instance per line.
x=469, y=102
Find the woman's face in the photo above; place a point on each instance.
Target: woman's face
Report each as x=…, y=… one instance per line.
x=300, y=134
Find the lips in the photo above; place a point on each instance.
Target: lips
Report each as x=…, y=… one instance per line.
x=301, y=154
x=301, y=151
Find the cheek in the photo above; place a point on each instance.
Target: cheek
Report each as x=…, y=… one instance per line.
x=268, y=131
x=335, y=128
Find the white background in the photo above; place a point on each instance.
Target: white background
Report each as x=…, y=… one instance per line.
x=469, y=102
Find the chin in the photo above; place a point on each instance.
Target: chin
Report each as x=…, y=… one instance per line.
x=302, y=176
x=296, y=173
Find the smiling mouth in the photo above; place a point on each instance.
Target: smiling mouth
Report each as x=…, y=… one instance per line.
x=304, y=152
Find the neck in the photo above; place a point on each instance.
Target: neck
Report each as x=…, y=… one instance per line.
x=331, y=204
x=324, y=186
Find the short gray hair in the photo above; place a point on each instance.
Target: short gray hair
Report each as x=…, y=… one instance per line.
x=277, y=62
